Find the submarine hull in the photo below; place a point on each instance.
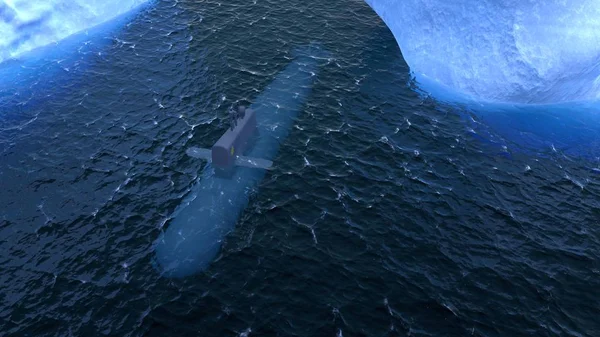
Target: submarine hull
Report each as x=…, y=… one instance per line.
x=211, y=210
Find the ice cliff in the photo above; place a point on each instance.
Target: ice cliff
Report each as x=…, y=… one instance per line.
x=520, y=51
x=29, y=24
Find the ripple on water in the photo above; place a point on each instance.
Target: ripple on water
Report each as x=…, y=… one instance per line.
x=385, y=214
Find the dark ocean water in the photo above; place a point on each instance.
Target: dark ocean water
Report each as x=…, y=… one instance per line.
x=387, y=214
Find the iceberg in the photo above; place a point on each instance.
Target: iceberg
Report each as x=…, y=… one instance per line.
x=509, y=51
x=30, y=24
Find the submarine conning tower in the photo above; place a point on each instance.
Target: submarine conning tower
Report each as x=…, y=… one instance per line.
x=235, y=140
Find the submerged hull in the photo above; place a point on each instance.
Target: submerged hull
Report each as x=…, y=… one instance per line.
x=212, y=209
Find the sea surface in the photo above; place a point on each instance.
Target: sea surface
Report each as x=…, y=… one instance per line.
x=388, y=212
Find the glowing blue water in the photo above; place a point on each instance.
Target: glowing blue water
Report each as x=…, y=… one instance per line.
x=27, y=25
x=527, y=72
x=507, y=51
x=382, y=215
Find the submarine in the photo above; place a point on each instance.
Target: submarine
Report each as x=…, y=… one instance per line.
x=235, y=165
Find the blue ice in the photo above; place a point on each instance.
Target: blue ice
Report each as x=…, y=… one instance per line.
x=518, y=51
x=26, y=25
x=529, y=70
